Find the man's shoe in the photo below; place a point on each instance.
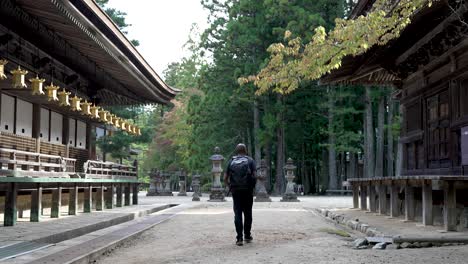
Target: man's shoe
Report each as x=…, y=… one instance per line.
x=248, y=239
x=239, y=242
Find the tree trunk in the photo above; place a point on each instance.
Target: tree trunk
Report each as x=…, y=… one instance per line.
x=332, y=174
x=279, y=184
x=399, y=159
x=342, y=170
x=379, y=155
x=256, y=121
x=268, y=162
x=370, y=162
x=390, y=154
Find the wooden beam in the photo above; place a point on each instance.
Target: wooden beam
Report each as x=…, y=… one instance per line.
x=100, y=198
x=36, y=204
x=119, y=195
x=56, y=202
x=439, y=28
x=355, y=196
x=363, y=195
x=382, y=199
x=409, y=203
x=372, y=200
x=394, y=210
x=450, y=207
x=134, y=193
x=109, y=196
x=73, y=200
x=88, y=199
x=427, y=216
x=10, y=213
x=127, y=194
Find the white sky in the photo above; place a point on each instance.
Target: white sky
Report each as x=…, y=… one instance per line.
x=161, y=26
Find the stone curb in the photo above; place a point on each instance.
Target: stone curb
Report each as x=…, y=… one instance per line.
x=398, y=241
x=351, y=223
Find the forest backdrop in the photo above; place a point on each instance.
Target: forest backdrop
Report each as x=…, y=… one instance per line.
x=324, y=129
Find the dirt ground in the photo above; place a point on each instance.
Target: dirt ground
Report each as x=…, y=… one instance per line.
x=283, y=233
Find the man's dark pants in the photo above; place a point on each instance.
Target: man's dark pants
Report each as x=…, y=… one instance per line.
x=243, y=201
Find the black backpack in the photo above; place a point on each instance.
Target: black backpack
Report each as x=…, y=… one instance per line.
x=240, y=173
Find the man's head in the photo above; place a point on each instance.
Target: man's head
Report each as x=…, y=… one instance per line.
x=241, y=149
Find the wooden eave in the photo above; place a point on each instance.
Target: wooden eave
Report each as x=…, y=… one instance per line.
x=83, y=25
x=382, y=65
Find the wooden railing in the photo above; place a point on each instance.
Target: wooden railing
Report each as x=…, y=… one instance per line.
x=34, y=164
x=108, y=170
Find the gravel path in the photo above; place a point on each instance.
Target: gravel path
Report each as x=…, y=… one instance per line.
x=283, y=233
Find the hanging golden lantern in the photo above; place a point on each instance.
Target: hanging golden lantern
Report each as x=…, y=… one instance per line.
x=76, y=103
x=110, y=118
x=95, y=111
x=18, y=78
x=103, y=115
x=86, y=108
x=134, y=130
x=63, y=98
x=109, y=133
x=129, y=128
x=123, y=125
x=36, y=85
x=139, y=131
x=52, y=92
x=117, y=122
x=2, y=69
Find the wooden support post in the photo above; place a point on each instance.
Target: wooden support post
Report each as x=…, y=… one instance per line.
x=36, y=204
x=355, y=196
x=127, y=194
x=119, y=195
x=100, y=198
x=10, y=213
x=363, y=194
x=382, y=199
x=409, y=203
x=56, y=202
x=394, y=210
x=450, y=207
x=135, y=193
x=73, y=200
x=109, y=196
x=372, y=201
x=427, y=216
x=88, y=199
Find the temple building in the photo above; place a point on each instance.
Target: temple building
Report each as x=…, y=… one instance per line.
x=62, y=64
x=428, y=64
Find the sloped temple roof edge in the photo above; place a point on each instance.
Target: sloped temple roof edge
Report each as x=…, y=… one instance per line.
x=114, y=39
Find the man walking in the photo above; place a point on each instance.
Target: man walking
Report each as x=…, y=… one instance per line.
x=240, y=176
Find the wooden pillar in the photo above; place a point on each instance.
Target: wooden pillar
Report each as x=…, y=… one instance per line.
x=36, y=204
x=10, y=213
x=73, y=200
x=100, y=198
x=56, y=202
x=88, y=199
x=119, y=195
x=427, y=216
x=363, y=195
x=372, y=201
x=36, y=126
x=109, y=196
x=409, y=203
x=135, y=193
x=382, y=199
x=355, y=196
x=394, y=211
x=66, y=135
x=450, y=207
x=127, y=194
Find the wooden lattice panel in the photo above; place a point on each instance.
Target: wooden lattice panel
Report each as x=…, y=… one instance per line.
x=12, y=141
x=53, y=149
x=81, y=156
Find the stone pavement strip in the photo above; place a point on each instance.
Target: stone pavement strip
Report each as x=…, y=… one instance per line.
x=27, y=236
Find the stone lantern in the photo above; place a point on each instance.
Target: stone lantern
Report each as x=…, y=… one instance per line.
x=262, y=194
x=217, y=191
x=153, y=190
x=166, y=182
x=182, y=176
x=290, y=195
x=196, y=187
